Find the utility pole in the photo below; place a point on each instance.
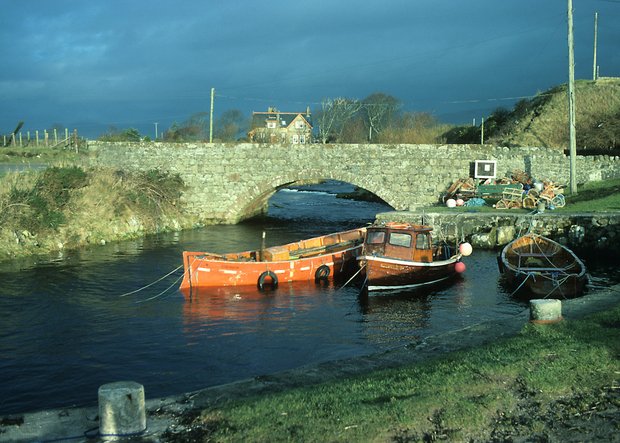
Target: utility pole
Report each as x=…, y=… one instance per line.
x=211, y=117
x=156, y=123
x=482, y=132
x=571, y=102
x=594, y=73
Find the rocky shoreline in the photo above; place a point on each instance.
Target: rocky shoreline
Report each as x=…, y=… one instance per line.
x=485, y=230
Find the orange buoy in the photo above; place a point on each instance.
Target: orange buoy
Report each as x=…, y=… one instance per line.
x=459, y=267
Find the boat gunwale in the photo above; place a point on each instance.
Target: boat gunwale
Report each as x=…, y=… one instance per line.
x=577, y=263
x=196, y=257
x=410, y=263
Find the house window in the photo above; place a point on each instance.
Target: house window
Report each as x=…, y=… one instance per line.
x=295, y=139
x=299, y=124
x=302, y=139
x=271, y=125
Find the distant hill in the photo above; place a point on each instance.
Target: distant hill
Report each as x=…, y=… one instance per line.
x=543, y=120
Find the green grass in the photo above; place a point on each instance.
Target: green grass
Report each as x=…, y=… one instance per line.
x=595, y=197
x=458, y=397
x=37, y=155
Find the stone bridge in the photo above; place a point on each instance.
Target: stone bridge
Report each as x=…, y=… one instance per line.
x=227, y=183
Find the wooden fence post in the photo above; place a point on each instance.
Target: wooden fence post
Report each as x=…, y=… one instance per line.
x=46, y=137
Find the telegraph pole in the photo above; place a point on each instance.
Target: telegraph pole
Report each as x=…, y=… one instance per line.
x=595, y=44
x=211, y=117
x=571, y=102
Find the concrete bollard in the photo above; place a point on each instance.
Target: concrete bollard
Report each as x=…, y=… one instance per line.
x=121, y=409
x=545, y=311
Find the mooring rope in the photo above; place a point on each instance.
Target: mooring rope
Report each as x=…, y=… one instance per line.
x=162, y=292
x=354, y=275
x=529, y=274
x=151, y=284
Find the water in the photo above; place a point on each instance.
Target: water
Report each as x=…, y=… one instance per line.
x=69, y=324
x=20, y=167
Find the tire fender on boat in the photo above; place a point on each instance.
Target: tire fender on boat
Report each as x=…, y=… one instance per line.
x=262, y=280
x=321, y=273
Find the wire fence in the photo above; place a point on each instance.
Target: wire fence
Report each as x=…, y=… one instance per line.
x=45, y=138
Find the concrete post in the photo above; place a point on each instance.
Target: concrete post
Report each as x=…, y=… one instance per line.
x=545, y=311
x=121, y=409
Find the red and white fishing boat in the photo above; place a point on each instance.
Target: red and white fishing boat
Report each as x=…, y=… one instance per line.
x=402, y=255
x=320, y=258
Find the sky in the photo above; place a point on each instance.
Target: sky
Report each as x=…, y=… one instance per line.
x=144, y=64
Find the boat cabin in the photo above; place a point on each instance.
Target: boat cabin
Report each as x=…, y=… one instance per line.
x=400, y=241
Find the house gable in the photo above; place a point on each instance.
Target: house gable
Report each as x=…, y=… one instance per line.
x=274, y=126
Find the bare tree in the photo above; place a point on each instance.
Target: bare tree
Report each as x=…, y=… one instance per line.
x=335, y=113
x=230, y=125
x=379, y=110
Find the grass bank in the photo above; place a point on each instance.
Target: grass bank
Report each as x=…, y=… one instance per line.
x=556, y=382
x=38, y=155
x=62, y=208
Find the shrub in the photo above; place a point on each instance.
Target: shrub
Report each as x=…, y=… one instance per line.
x=153, y=189
x=41, y=206
x=55, y=183
x=115, y=135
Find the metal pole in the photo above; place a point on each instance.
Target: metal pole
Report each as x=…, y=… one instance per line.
x=594, y=76
x=211, y=117
x=571, y=102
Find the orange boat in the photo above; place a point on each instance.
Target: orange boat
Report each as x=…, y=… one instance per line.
x=320, y=258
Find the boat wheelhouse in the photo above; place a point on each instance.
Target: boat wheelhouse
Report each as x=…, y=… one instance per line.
x=401, y=255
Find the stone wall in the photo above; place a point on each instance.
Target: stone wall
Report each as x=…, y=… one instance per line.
x=585, y=232
x=230, y=182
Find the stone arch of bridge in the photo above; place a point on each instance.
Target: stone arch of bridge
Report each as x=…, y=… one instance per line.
x=256, y=198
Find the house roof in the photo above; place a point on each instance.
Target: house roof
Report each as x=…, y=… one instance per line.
x=259, y=118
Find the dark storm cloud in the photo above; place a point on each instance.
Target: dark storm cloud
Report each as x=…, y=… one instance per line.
x=130, y=63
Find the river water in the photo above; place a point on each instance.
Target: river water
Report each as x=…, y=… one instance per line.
x=72, y=323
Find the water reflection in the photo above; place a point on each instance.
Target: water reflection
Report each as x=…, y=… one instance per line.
x=242, y=303
x=72, y=324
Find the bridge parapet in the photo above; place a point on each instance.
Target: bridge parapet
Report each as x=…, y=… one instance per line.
x=227, y=183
